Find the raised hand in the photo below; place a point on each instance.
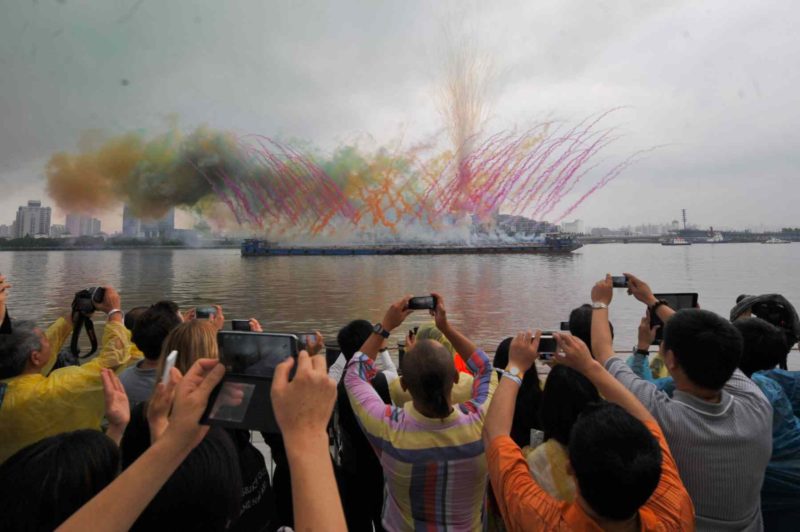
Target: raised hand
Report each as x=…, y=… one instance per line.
x=303, y=406
x=575, y=353
x=396, y=314
x=440, y=313
x=160, y=404
x=255, y=326
x=640, y=290
x=111, y=300
x=191, y=397
x=603, y=291
x=219, y=318
x=118, y=409
x=524, y=350
x=189, y=315
x=646, y=333
x=315, y=345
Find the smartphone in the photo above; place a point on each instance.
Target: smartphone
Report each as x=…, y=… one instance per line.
x=205, y=313
x=241, y=325
x=619, y=281
x=677, y=301
x=422, y=303
x=305, y=338
x=564, y=326
x=98, y=294
x=547, y=346
x=168, y=365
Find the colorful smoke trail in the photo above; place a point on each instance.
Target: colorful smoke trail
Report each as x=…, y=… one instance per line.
x=273, y=188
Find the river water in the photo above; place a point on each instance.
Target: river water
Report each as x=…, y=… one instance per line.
x=488, y=296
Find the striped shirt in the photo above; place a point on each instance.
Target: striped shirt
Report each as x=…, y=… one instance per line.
x=722, y=449
x=435, y=469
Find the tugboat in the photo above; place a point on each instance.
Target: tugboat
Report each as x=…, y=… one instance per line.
x=676, y=241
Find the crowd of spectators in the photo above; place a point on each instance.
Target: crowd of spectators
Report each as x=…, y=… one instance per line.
x=704, y=434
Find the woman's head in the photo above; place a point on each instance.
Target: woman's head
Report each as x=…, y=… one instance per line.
x=765, y=345
x=580, y=324
x=47, y=481
x=192, y=340
x=566, y=394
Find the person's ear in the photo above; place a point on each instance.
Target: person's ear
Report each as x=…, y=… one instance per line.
x=670, y=361
x=36, y=359
x=403, y=384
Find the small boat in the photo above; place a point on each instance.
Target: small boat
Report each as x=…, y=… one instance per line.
x=715, y=238
x=676, y=241
x=775, y=240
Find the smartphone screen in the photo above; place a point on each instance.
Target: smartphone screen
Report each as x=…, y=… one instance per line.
x=204, y=313
x=422, y=303
x=619, y=281
x=547, y=347
x=240, y=325
x=248, y=353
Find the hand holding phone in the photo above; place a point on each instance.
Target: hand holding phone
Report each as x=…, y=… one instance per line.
x=422, y=303
x=205, y=313
x=619, y=281
x=168, y=365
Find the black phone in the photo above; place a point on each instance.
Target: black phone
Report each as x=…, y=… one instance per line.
x=564, y=326
x=242, y=399
x=241, y=325
x=422, y=303
x=619, y=281
x=98, y=294
x=205, y=313
x=547, y=346
x=676, y=301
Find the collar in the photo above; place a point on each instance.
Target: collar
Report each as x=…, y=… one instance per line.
x=409, y=409
x=704, y=407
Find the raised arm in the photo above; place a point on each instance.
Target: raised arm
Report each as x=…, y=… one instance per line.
x=642, y=292
x=393, y=318
x=602, y=344
x=115, y=349
x=118, y=506
x=577, y=356
x=523, y=352
x=302, y=409
x=463, y=345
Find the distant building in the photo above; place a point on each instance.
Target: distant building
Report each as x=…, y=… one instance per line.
x=80, y=225
x=5, y=231
x=575, y=226
x=133, y=227
x=58, y=230
x=32, y=220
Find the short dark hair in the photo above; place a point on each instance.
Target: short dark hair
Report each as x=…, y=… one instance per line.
x=526, y=408
x=566, y=395
x=16, y=348
x=616, y=460
x=580, y=324
x=429, y=373
x=764, y=345
x=352, y=336
x=132, y=315
x=44, y=483
x=153, y=326
x=204, y=493
x=706, y=346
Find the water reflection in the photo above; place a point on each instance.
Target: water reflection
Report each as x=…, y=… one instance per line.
x=489, y=296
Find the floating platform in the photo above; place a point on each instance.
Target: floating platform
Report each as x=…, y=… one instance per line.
x=552, y=244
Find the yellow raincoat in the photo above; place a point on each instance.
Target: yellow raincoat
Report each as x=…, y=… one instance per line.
x=36, y=406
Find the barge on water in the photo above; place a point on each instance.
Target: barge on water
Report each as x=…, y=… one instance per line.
x=551, y=244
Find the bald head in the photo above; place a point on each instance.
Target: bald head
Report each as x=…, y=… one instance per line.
x=428, y=374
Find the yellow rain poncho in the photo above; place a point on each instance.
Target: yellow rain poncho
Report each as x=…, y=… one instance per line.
x=36, y=406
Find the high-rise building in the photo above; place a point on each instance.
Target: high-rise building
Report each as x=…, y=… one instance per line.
x=136, y=228
x=33, y=220
x=80, y=225
x=58, y=230
x=5, y=231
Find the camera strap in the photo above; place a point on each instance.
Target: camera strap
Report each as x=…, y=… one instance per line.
x=79, y=321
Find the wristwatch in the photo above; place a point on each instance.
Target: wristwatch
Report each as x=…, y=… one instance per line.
x=513, y=373
x=378, y=329
x=638, y=351
x=596, y=305
x=655, y=306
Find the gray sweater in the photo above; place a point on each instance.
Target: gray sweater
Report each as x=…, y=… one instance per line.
x=722, y=449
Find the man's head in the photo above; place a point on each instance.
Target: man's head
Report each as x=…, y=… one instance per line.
x=701, y=346
x=765, y=345
x=428, y=373
x=352, y=336
x=153, y=326
x=615, y=459
x=132, y=315
x=22, y=350
x=580, y=324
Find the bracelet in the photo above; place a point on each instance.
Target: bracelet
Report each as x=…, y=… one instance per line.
x=597, y=305
x=114, y=311
x=655, y=306
x=509, y=376
x=638, y=351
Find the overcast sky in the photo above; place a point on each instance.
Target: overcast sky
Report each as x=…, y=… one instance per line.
x=715, y=83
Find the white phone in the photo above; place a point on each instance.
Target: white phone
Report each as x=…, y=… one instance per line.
x=170, y=363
